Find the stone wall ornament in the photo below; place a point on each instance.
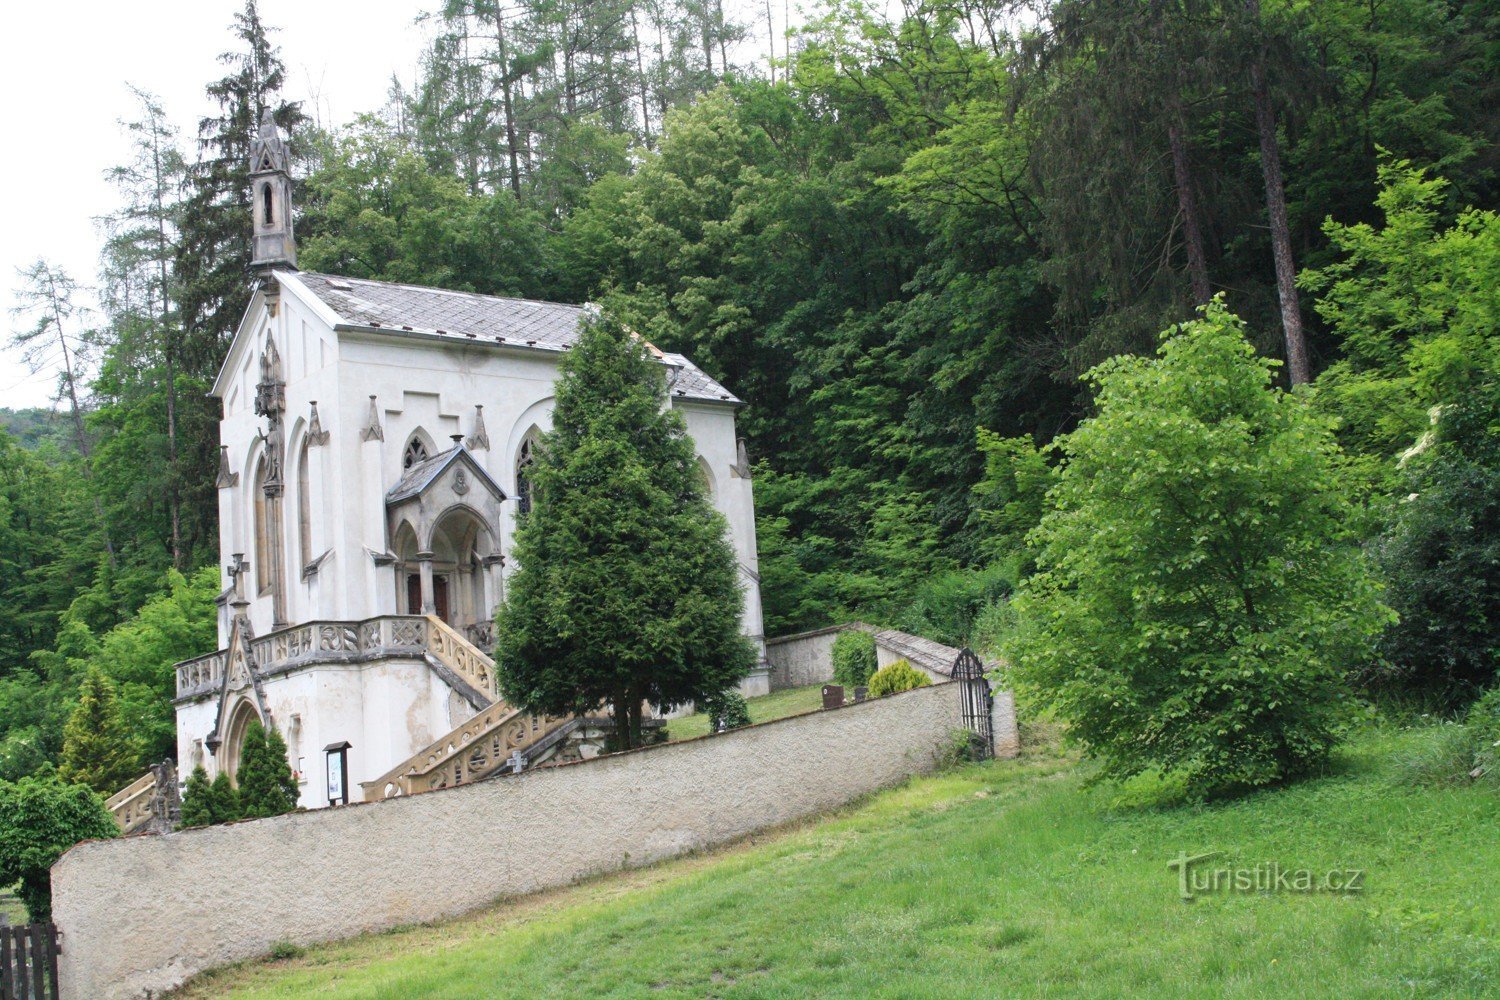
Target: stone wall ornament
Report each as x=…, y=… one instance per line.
x=227, y=479
x=741, y=467
x=460, y=481
x=372, y=430
x=480, y=438
x=316, y=435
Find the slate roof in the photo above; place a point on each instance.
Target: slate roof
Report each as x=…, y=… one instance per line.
x=420, y=476
x=489, y=319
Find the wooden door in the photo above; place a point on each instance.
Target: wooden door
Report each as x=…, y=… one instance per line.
x=440, y=598
x=414, y=593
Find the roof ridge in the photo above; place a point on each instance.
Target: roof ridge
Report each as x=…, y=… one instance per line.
x=443, y=291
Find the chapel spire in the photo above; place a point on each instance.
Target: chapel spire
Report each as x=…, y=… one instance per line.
x=271, y=200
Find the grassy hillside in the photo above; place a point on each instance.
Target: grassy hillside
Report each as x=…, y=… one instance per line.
x=1011, y=878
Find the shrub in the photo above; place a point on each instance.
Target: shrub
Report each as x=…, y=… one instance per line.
x=267, y=787
x=1440, y=554
x=40, y=818
x=854, y=658
x=98, y=750
x=207, y=802
x=1199, y=601
x=895, y=678
x=727, y=710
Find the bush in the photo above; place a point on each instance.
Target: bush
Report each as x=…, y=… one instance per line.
x=205, y=802
x=40, y=818
x=854, y=658
x=895, y=678
x=267, y=787
x=727, y=710
x=1199, y=601
x=1440, y=557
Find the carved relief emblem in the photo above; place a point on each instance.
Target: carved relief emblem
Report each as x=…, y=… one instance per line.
x=461, y=482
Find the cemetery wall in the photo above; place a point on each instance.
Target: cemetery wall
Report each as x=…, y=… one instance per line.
x=143, y=914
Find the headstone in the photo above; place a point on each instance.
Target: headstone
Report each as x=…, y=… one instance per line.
x=833, y=696
x=517, y=762
x=861, y=693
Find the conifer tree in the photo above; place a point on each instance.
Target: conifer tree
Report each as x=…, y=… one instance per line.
x=627, y=588
x=267, y=787
x=223, y=800
x=196, y=800
x=98, y=750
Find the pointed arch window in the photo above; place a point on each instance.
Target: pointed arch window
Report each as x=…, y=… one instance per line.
x=524, y=462
x=265, y=202
x=262, y=565
x=304, y=505
x=416, y=451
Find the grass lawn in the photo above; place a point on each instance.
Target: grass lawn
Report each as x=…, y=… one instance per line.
x=1005, y=879
x=777, y=705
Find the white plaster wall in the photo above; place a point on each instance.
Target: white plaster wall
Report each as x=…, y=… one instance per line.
x=802, y=659
x=145, y=913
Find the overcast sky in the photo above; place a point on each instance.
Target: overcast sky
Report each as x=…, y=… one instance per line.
x=63, y=74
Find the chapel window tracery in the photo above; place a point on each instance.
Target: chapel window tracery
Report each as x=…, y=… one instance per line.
x=524, y=462
x=415, y=452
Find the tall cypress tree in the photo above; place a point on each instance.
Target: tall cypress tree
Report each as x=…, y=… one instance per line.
x=267, y=787
x=98, y=750
x=627, y=588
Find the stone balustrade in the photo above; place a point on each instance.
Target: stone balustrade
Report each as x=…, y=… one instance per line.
x=344, y=642
x=131, y=805
x=478, y=747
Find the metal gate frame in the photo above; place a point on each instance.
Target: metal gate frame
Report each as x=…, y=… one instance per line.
x=974, y=695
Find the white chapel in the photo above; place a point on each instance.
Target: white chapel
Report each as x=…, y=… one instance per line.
x=375, y=441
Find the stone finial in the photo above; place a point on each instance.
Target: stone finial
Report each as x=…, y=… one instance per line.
x=316, y=435
x=372, y=430
x=741, y=467
x=480, y=438
x=227, y=479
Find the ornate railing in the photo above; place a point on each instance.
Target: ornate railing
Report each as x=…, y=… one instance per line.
x=316, y=642
x=131, y=805
x=461, y=656
x=477, y=748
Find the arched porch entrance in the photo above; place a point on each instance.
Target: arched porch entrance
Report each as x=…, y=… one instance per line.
x=452, y=577
x=233, y=746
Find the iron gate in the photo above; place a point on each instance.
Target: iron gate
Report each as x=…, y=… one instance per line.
x=974, y=693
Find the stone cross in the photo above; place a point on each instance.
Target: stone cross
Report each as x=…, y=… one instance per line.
x=517, y=762
x=237, y=569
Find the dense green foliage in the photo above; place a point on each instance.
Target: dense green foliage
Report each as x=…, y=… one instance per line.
x=267, y=786
x=205, y=802
x=900, y=242
x=854, y=658
x=895, y=678
x=1198, y=601
x=626, y=588
x=40, y=818
x=98, y=750
x=726, y=710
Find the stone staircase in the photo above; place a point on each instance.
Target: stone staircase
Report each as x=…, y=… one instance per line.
x=479, y=746
x=149, y=803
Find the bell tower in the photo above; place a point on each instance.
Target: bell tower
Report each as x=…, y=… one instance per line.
x=271, y=200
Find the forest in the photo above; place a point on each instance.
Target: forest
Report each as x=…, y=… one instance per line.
x=902, y=236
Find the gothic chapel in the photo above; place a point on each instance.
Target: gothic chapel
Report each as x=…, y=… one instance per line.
x=374, y=447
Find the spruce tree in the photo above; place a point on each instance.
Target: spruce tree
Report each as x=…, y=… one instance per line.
x=627, y=588
x=223, y=800
x=98, y=750
x=196, y=804
x=267, y=787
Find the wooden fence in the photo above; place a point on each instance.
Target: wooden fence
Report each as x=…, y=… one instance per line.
x=28, y=962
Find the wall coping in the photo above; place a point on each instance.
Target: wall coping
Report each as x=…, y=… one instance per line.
x=825, y=630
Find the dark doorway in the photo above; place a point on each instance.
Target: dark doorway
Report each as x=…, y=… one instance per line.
x=413, y=593
x=440, y=598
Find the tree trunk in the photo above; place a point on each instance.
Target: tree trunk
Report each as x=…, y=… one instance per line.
x=1182, y=174
x=506, y=102
x=619, y=709
x=1298, y=369
x=640, y=73
x=771, y=41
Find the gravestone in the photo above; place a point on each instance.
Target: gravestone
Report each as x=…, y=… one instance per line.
x=833, y=696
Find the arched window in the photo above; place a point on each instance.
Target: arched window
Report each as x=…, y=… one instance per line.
x=416, y=451
x=705, y=478
x=523, y=477
x=304, y=505
x=262, y=565
x=265, y=202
